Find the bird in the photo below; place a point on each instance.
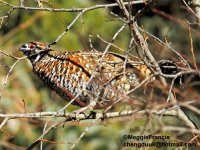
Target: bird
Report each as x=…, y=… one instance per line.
x=86, y=78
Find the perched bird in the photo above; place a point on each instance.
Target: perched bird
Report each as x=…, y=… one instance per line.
x=86, y=77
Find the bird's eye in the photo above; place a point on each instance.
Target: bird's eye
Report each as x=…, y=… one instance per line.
x=31, y=46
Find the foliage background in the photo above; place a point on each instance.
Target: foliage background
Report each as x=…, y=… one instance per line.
x=24, y=92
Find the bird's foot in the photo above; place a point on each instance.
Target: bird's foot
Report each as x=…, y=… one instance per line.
x=80, y=113
x=87, y=112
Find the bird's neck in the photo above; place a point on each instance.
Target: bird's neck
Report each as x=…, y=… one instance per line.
x=35, y=58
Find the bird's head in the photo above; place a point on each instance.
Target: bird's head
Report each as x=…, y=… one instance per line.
x=34, y=50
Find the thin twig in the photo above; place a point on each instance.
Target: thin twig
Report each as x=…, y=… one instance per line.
x=71, y=9
x=9, y=72
x=192, y=50
x=4, y=122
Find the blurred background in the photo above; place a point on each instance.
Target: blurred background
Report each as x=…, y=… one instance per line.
x=24, y=92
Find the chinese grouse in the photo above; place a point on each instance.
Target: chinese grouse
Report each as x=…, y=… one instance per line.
x=86, y=77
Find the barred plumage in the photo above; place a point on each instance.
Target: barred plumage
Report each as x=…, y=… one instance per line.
x=85, y=75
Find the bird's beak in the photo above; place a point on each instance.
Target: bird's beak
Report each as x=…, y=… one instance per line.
x=23, y=47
